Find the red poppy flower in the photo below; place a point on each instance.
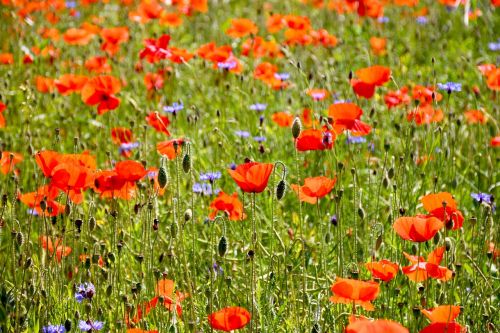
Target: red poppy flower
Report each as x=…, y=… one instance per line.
x=275, y=23
x=69, y=83
x=153, y=81
x=375, y=326
x=443, y=328
x=242, y=27
x=420, y=270
x=475, y=117
x=346, y=116
x=348, y=291
x=98, y=65
x=156, y=49
x=495, y=141
x=418, y=228
x=315, y=139
x=75, y=36
x=121, y=135
x=6, y=58
x=138, y=330
x=112, y=38
x=442, y=313
x=167, y=148
x=47, y=194
x=443, y=206
x=229, y=319
x=283, y=119
x=369, y=78
x=378, y=45
x=314, y=188
x=229, y=204
x=425, y=114
x=252, y=177
x=60, y=250
x=425, y=95
x=44, y=84
x=318, y=94
x=396, y=98
x=8, y=160
x=170, y=19
x=2, y=119
x=101, y=91
x=384, y=270
x=158, y=122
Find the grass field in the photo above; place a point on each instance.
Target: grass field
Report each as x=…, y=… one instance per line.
x=263, y=166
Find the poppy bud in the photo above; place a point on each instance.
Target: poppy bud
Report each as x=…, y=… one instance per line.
x=390, y=173
x=333, y=220
x=350, y=75
x=20, y=238
x=139, y=257
x=296, y=127
x=28, y=263
x=111, y=256
x=67, y=325
x=186, y=163
x=280, y=189
x=290, y=233
x=78, y=225
x=92, y=223
x=402, y=211
x=262, y=150
x=162, y=177
x=188, y=214
x=328, y=237
x=88, y=308
x=447, y=243
x=222, y=247
x=109, y=290
x=385, y=182
x=361, y=213
x=251, y=254
x=43, y=205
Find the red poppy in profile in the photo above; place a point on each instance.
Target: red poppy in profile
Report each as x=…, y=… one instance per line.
x=76, y=36
x=443, y=328
x=229, y=319
x=119, y=182
x=346, y=116
x=396, y=98
x=418, y=228
x=475, y=117
x=252, y=176
x=98, y=65
x=442, y=313
x=70, y=83
x=3, y=107
x=348, y=291
x=55, y=247
x=101, y=91
x=44, y=84
x=158, y=122
x=170, y=19
x=112, y=38
x=443, y=206
x=282, y=119
x=375, y=326
x=420, y=269
x=378, y=45
x=493, y=79
x=384, y=270
x=242, y=27
x=47, y=194
x=121, y=135
x=368, y=78
x=314, y=188
x=229, y=204
x=170, y=148
x=315, y=139
x=8, y=160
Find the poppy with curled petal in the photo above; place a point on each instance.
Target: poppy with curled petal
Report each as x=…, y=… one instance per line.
x=229, y=204
x=348, y=291
x=384, y=270
x=101, y=91
x=363, y=325
x=314, y=188
x=47, y=194
x=170, y=148
x=229, y=319
x=315, y=139
x=55, y=247
x=346, y=116
x=444, y=328
x=158, y=122
x=442, y=313
x=443, y=206
x=421, y=270
x=368, y=78
x=252, y=177
x=242, y=27
x=417, y=228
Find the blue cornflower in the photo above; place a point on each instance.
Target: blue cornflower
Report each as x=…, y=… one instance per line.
x=338, y=101
x=127, y=147
x=484, y=197
x=259, y=138
x=422, y=20
x=210, y=176
x=355, y=139
x=232, y=166
x=54, y=329
x=84, y=291
x=71, y=4
x=258, y=107
x=32, y=211
x=450, y=86
x=174, y=108
x=217, y=269
x=204, y=188
x=242, y=134
x=87, y=326
x=227, y=65
x=383, y=19
x=282, y=76
x=327, y=138
x=494, y=46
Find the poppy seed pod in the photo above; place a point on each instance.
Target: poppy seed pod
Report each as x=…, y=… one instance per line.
x=280, y=189
x=162, y=177
x=296, y=127
x=186, y=163
x=222, y=247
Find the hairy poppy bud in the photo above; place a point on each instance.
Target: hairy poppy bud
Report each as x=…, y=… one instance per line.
x=186, y=163
x=92, y=223
x=162, y=177
x=222, y=246
x=20, y=238
x=296, y=127
x=280, y=189
x=447, y=243
x=390, y=173
x=361, y=213
x=188, y=214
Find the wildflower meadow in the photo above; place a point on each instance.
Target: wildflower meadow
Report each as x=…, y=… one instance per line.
x=249, y=166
